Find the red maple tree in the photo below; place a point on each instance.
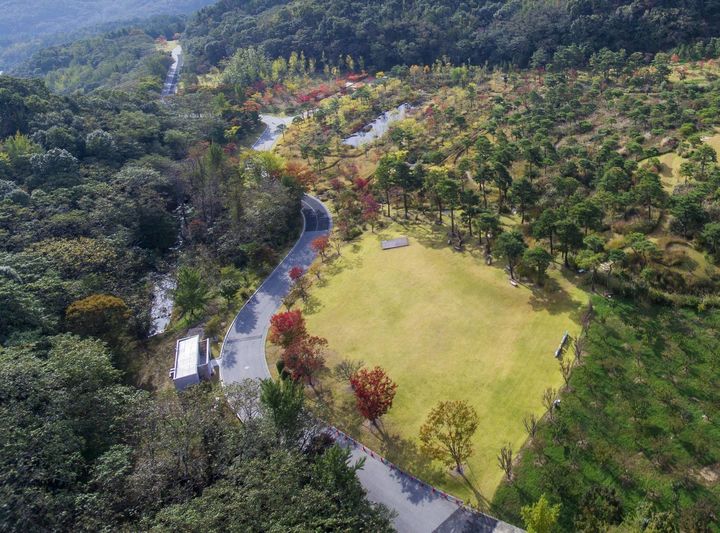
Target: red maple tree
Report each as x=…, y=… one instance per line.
x=304, y=358
x=374, y=393
x=304, y=176
x=361, y=184
x=370, y=210
x=296, y=273
x=320, y=245
x=287, y=328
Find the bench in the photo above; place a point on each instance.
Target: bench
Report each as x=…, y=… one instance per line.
x=559, y=351
x=395, y=243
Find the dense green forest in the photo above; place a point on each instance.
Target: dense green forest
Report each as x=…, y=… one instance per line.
x=395, y=32
x=94, y=191
x=26, y=27
x=122, y=58
x=84, y=452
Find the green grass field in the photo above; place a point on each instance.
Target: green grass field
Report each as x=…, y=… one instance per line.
x=444, y=326
x=670, y=173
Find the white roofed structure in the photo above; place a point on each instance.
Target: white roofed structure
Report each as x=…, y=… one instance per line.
x=192, y=361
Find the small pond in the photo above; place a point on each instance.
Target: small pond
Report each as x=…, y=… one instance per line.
x=378, y=127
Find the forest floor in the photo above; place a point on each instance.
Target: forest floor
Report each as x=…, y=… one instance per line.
x=445, y=326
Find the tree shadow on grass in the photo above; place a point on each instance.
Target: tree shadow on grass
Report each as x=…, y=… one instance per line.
x=433, y=236
x=350, y=259
x=407, y=454
x=339, y=409
x=322, y=282
x=312, y=304
x=551, y=297
x=481, y=501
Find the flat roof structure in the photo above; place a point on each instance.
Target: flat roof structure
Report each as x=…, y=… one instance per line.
x=187, y=357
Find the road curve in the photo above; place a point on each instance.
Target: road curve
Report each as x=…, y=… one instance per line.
x=243, y=351
x=419, y=508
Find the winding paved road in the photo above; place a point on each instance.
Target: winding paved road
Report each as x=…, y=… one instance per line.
x=419, y=507
x=243, y=351
x=273, y=130
x=170, y=87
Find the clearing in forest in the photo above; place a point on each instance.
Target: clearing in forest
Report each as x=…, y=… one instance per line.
x=444, y=326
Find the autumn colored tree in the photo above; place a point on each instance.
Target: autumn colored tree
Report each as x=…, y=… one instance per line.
x=370, y=211
x=301, y=283
x=320, y=246
x=447, y=431
x=100, y=315
x=304, y=176
x=316, y=270
x=304, y=357
x=296, y=273
x=287, y=328
x=374, y=393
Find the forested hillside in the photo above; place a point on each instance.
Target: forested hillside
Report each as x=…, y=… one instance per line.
x=121, y=58
x=26, y=26
x=94, y=192
x=388, y=33
x=542, y=344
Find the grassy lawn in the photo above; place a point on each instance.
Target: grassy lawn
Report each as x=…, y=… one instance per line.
x=670, y=173
x=444, y=326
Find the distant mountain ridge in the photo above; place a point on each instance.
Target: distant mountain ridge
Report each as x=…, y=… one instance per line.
x=393, y=32
x=27, y=25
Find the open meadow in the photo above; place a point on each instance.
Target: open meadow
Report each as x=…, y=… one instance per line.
x=444, y=326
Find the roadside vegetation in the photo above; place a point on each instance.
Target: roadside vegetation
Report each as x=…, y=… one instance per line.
x=557, y=187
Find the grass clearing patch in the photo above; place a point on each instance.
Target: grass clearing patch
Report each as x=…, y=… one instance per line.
x=445, y=326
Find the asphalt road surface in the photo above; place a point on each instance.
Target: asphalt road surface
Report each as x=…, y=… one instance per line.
x=418, y=508
x=272, y=132
x=243, y=351
x=170, y=86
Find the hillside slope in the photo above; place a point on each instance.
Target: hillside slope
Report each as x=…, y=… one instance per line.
x=391, y=32
x=28, y=25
